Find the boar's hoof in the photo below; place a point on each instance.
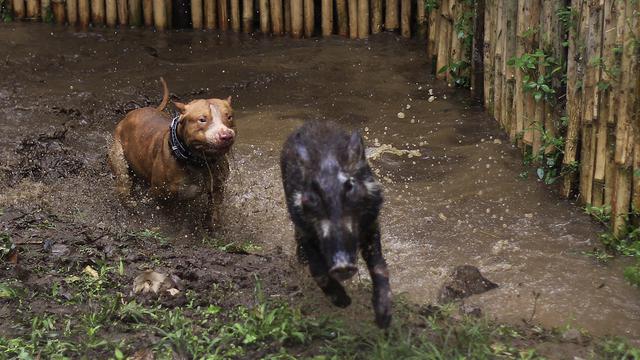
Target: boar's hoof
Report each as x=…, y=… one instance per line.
x=383, y=313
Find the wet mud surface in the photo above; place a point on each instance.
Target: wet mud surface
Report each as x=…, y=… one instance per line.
x=457, y=200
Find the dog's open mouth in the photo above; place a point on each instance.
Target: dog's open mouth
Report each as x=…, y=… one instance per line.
x=212, y=149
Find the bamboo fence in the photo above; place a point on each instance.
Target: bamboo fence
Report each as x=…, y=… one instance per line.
x=587, y=54
x=298, y=18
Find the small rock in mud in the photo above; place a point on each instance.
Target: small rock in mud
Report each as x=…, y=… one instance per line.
x=401, y=115
x=151, y=281
x=60, y=250
x=470, y=310
x=464, y=281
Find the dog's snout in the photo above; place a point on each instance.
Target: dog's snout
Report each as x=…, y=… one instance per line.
x=342, y=272
x=226, y=135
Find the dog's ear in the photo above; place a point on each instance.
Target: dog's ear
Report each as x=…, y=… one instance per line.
x=228, y=99
x=182, y=107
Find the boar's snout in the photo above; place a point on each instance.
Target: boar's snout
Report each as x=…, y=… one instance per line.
x=342, y=269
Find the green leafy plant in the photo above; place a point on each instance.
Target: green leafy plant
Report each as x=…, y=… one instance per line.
x=600, y=213
x=548, y=158
x=431, y=5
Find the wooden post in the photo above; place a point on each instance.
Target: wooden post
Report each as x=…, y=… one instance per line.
x=376, y=16
x=19, y=10
x=343, y=17
x=510, y=14
x=327, y=17
x=33, y=9
x=247, y=16
x=391, y=15
x=489, y=50
x=363, y=19
x=443, y=46
x=223, y=15
x=276, y=17
x=123, y=13
x=97, y=12
x=112, y=12
x=405, y=18
x=160, y=14
x=59, y=12
x=135, y=12
x=432, y=37
x=84, y=13
x=264, y=16
x=196, y=14
x=210, y=14
x=353, y=18
x=309, y=21
x=147, y=12
x=297, y=19
x=72, y=12
x=499, y=42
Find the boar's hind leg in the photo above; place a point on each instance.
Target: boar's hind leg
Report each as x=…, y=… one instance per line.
x=372, y=254
x=330, y=286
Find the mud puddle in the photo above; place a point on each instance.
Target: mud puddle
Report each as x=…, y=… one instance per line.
x=459, y=202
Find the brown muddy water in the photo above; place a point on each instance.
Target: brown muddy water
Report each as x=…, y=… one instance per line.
x=459, y=201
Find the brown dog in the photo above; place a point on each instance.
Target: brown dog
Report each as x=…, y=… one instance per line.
x=180, y=158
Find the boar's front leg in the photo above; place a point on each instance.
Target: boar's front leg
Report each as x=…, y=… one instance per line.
x=319, y=271
x=372, y=254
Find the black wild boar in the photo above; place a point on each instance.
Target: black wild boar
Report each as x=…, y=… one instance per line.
x=334, y=200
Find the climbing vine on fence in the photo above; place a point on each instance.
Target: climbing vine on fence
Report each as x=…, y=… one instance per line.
x=460, y=70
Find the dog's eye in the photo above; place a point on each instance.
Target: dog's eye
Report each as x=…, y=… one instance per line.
x=230, y=117
x=202, y=119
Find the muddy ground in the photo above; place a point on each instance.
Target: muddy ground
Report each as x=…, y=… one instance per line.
x=456, y=198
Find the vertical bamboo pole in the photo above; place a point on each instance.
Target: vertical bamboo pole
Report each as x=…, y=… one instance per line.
x=123, y=12
x=147, y=12
x=510, y=14
x=489, y=48
x=135, y=12
x=405, y=18
x=297, y=19
x=376, y=16
x=363, y=19
x=247, y=16
x=97, y=12
x=112, y=13
x=168, y=6
x=477, y=51
x=72, y=12
x=590, y=95
x=327, y=17
x=455, y=12
x=574, y=95
x=19, y=10
x=223, y=15
x=59, y=12
x=264, y=15
x=532, y=16
x=625, y=127
x=309, y=21
x=421, y=20
x=46, y=10
x=33, y=9
x=84, y=13
x=353, y=19
x=196, y=14
x=634, y=109
x=443, y=47
x=277, y=25
x=433, y=36
x=287, y=16
x=499, y=40
x=342, y=16
x=210, y=14
x=391, y=15
x=159, y=14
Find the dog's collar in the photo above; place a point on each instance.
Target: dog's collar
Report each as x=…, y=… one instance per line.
x=178, y=149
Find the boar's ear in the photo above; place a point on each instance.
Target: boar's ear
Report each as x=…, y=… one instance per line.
x=355, y=150
x=182, y=107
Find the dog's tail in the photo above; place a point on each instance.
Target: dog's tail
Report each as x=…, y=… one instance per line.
x=165, y=96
